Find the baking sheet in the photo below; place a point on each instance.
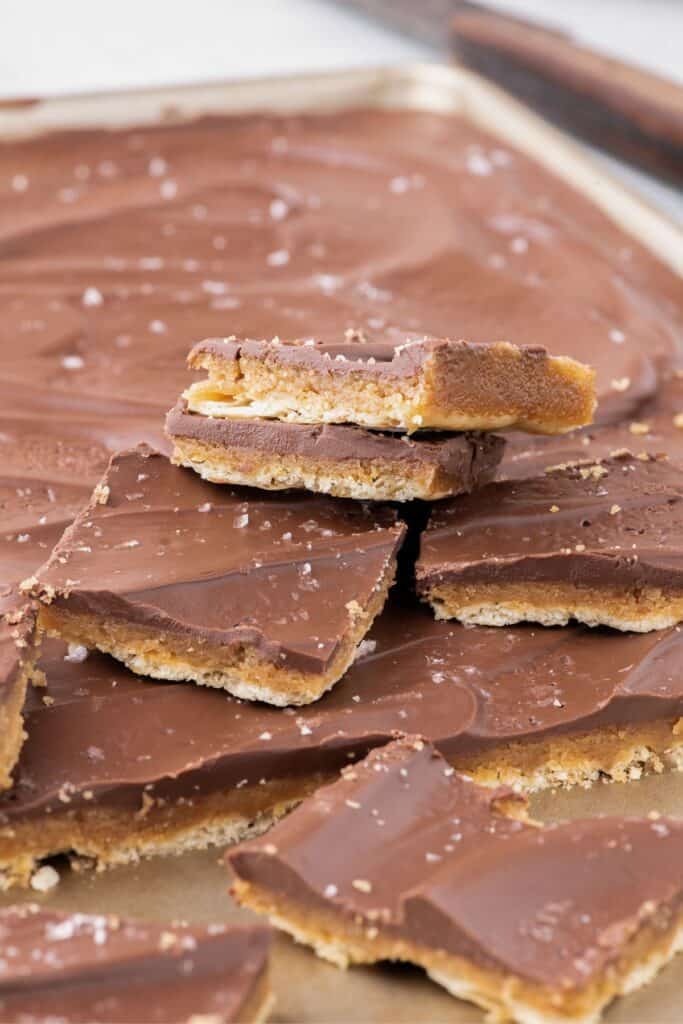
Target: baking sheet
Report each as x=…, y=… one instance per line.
x=194, y=887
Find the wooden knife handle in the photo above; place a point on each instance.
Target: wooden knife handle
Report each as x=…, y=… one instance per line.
x=625, y=110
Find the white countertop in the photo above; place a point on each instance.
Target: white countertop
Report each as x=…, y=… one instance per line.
x=78, y=45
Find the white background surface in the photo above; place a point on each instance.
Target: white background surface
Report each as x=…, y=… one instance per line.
x=52, y=46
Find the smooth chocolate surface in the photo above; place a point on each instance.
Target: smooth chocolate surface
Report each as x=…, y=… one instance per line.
x=105, y=736
x=160, y=548
x=610, y=523
x=473, y=457
x=53, y=450
x=98, y=968
x=624, y=109
x=424, y=854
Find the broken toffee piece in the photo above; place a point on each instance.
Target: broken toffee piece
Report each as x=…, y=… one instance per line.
x=16, y=661
x=404, y=859
x=345, y=461
x=100, y=968
x=116, y=767
x=601, y=543
x=263, y=596
x=412, y=384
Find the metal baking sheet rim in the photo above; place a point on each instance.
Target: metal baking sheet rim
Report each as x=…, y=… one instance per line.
x=431, y=87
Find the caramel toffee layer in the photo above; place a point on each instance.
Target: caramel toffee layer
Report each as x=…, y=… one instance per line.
x=607, y=536
x=164, y=551
x=16, y=661
x=655, y=428
x=401, y=384
x=440, y=465
x=100, y=737
x=100, y=968
x=402, y=858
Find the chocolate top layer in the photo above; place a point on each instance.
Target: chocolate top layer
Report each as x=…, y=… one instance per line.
x=94, y=968
x=162, y=548
x=614, y=522
x=394, y=357
x=474, y=457
x=110, y=733
x=428, y=856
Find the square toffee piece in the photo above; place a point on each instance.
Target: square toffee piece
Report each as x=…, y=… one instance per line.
x=265, y=596
x=601, y=543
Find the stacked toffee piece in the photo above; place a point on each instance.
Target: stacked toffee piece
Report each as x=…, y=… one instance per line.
x=205, y=577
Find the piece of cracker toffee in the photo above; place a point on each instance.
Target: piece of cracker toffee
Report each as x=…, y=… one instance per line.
x=423, y=383
x=405, y=859
x=261, y=595
x=601, y=543
x=345, y=461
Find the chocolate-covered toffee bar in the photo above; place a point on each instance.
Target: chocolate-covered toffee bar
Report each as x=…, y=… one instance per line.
x=116, y=767
x=263, y=596
x=601, y=543
x=16, y=665
x=345, y=461
x=411, y=384
x=624, y=109
x=101, y=969
x=404, y=859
